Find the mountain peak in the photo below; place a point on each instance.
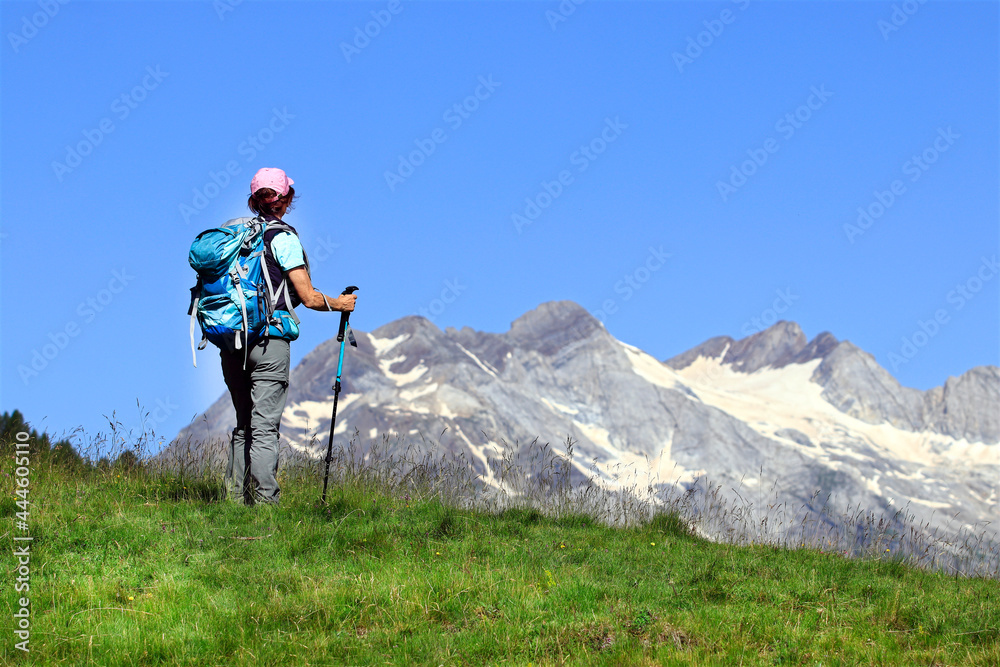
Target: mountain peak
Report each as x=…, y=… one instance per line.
x=553, y=325
x=780, y=344
x=550, y=312
x=411, y=324
x=818, y=348
x=777, y=346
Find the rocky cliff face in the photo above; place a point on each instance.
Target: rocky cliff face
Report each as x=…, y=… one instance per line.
x=809, y=417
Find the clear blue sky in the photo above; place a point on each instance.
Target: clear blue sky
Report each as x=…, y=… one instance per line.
x=186, y=88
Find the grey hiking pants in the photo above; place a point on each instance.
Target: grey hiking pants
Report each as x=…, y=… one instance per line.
x=258, y=394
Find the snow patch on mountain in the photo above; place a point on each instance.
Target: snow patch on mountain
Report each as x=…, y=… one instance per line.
x=308, y=415
x=383, y=345
x=771, y=400
x=559, y=408
x=401, y=379
x=619, y=466
x=483, y=454
x=479, y=362
x=413, y=394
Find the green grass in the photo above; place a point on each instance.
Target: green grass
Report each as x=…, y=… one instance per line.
x=134, y=567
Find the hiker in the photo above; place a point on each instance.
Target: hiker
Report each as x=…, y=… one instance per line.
x=257, y=377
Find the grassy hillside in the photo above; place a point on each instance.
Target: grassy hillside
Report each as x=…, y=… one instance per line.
x=131, y=566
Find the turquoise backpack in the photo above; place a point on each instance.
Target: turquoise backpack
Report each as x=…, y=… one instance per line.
x=234, y=298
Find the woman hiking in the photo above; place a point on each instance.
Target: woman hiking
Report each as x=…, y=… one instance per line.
x=258, y=378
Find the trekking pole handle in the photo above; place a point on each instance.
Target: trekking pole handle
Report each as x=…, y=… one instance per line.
x=345, y=315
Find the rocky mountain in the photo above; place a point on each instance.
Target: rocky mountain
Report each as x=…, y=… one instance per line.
x=966, y=407
x=812, y=423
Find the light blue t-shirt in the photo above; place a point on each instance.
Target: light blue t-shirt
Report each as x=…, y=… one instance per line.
x=288, y=253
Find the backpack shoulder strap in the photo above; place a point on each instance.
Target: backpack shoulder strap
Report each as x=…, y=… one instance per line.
x=272, y=229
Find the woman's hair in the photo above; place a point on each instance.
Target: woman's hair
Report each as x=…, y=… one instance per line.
x=259, y=204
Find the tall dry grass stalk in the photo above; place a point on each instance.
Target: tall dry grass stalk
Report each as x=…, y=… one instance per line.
x=537, y=476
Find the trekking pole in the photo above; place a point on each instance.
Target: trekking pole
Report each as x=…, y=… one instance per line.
x=344, y=329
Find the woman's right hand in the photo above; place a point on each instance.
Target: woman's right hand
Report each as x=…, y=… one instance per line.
x=344, y=303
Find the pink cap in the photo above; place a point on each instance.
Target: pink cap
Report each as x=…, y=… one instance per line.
x=270, y=177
